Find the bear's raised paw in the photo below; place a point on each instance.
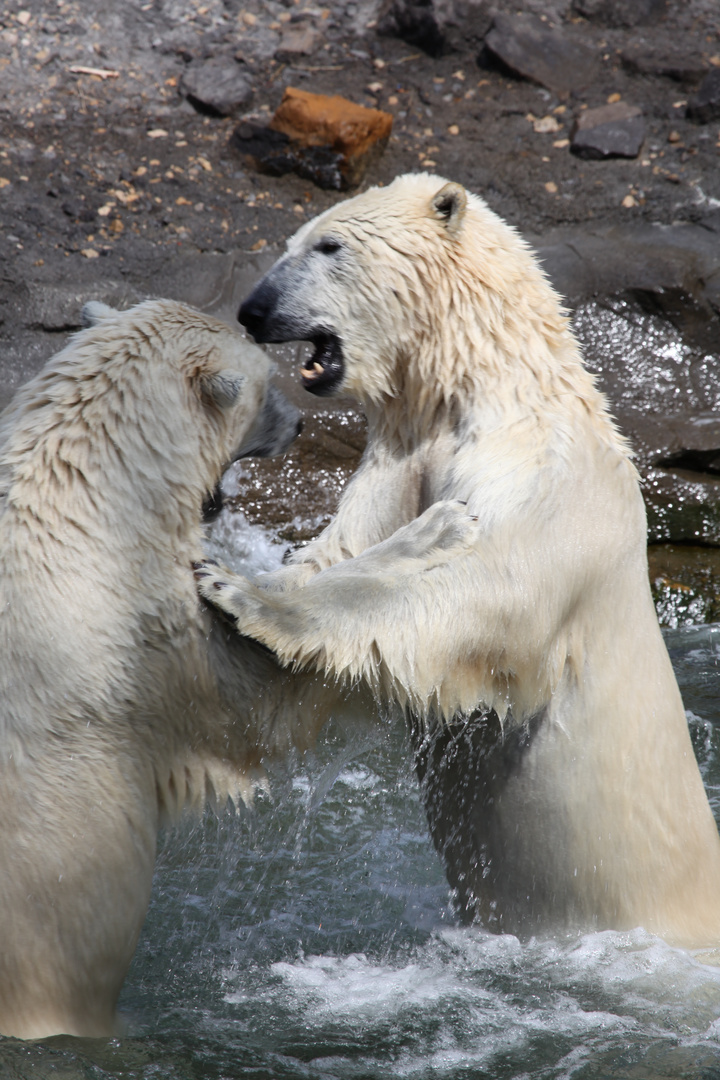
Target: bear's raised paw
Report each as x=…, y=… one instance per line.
x=229, y=593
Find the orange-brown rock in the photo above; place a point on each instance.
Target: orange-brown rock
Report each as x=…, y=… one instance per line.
x=356, y=134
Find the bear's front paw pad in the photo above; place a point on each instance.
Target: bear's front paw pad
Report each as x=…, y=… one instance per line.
x=214, y=586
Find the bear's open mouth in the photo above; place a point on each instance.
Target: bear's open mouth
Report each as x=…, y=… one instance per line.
x=326, y=368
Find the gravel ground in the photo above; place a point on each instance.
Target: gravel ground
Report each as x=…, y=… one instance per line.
x=92, y=164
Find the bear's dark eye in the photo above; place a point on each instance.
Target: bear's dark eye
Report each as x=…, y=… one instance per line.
x=327, y=246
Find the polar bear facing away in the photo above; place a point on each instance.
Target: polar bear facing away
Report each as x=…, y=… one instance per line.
x=121, y=699
x=487, y=571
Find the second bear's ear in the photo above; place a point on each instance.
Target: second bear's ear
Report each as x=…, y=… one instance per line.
x=449, y=206
x=221, y=389
x=94, y=312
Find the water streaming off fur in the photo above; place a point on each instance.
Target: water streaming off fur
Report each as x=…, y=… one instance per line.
x=312, y=938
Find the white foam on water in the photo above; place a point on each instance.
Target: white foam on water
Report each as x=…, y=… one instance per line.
x=454, y=992
x=358, y=778
x=245, y=548
x=471, y=998
x=355, y=988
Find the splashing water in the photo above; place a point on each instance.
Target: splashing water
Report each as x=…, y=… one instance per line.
x=312, y=938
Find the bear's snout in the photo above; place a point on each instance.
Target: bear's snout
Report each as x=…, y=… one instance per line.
x=255, y=312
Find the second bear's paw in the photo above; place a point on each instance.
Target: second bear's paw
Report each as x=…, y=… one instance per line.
x=228, y=592
x=446, y=526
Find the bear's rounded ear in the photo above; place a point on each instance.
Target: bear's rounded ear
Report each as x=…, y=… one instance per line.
x=449, y=205
x=94, y=312
x=222, y=388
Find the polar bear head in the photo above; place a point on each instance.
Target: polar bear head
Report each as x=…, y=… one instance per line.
x=412, y=282
x=223, y=374
x=155, y=401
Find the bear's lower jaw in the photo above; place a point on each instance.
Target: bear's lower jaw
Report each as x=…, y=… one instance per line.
x=326, y=369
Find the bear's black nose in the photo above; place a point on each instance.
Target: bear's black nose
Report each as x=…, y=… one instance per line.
x=251, y=315
x=254, y=312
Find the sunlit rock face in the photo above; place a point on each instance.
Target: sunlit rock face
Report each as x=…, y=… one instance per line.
x=665, y=393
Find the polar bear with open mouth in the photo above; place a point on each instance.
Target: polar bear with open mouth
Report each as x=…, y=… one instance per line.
x=487, y=570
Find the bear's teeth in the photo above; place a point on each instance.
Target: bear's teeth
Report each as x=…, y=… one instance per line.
x=317, y=369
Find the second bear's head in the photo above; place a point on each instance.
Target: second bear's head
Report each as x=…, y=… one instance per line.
x=160, y=398
x=224, y=406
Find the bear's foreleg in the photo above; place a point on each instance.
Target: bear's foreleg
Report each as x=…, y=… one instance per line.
x=434, y=617
x=444, y=531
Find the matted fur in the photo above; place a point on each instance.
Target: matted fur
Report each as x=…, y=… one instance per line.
x=122, y=700
x=487, y=571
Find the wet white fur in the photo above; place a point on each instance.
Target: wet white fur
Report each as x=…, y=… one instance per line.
x=121, y=700
x=460, y=353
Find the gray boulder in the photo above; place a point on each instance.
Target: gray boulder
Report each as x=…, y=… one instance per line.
x=611, y=131
x=217, y=86
x=621, y=13
x=531, y=50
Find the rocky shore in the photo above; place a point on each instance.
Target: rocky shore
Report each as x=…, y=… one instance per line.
x=592, y=125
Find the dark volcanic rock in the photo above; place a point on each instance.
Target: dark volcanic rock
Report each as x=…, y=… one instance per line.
x=184, y=41
x=468, y=25
x=59, y=307
x=274, y=153
x=525, y=45
x=414, y=22
x=611, y=131
x=703, y=462
x=75, y=208
x=621, y=13
x=673, y=272
x=217, y=86
x=704, y=106
x=641, y=59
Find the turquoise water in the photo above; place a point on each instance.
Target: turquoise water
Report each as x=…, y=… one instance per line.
x=312, y=938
